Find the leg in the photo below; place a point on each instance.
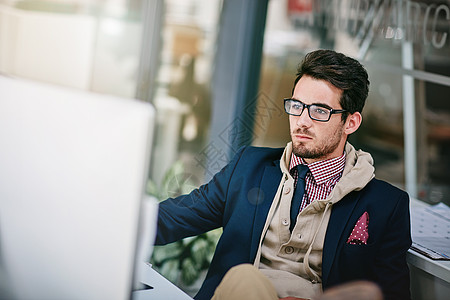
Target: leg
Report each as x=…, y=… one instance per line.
x=245, y=282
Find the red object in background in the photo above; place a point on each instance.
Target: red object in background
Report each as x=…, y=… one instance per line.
x=300, y=6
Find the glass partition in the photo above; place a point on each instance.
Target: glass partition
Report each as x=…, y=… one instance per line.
x=182, y=91
x=88, y=45
x=107, y=47
x=182, y=99
x=405, y=46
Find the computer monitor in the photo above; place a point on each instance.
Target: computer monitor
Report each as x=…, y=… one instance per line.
x=73, y=170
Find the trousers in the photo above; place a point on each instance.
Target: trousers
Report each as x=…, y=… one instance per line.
x=245, y=282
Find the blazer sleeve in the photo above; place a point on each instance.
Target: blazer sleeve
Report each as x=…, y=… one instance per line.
x=390, y=267
x=197, y=212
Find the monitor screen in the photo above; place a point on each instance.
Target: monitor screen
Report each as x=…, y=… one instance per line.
x=73, y=170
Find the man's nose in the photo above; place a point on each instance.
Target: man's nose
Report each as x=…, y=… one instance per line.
x=304, y=120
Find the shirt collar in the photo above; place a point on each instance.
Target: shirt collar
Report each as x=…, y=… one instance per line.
x=321, y=171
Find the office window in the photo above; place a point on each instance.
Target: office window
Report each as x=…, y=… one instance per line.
x=106, y=46
x=88, y=45
x=182, y=90
x=182, y=99
x=405, y=47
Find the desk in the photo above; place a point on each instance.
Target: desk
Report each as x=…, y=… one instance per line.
x=162, y=288
x=430, y=279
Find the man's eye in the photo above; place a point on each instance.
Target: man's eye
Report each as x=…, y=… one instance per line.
x=320, y=110
x=296, y=106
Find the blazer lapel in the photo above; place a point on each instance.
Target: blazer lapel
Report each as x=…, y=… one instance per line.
x=340, y=215
x=269, y=184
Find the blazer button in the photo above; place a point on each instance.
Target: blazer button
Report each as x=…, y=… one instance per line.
x=285, y=222
x=287, y=190
x=289, y=250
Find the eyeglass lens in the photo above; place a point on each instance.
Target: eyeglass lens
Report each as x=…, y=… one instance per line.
x=316, y=112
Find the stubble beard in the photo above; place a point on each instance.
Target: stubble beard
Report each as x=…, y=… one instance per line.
x=322, y=149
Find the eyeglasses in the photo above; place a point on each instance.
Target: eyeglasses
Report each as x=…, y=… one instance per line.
x=315, y=111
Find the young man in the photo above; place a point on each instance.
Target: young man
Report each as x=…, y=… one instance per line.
x=311, y=215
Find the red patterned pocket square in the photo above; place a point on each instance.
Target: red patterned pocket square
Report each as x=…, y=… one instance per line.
x=360, y=233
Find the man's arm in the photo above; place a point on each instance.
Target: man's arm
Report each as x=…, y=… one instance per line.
x=197, y=212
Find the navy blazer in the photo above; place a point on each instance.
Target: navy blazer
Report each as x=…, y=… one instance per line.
x=238, y=198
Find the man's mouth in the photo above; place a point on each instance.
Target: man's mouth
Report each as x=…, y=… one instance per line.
x=302, y=136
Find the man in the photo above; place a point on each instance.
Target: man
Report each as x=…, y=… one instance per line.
x=304, y=229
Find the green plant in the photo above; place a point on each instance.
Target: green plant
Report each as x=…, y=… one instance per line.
x=185, y=261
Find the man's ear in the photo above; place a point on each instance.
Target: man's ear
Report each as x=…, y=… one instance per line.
x=352, y=123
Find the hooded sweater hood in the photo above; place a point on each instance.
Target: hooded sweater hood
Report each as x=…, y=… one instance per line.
x=358, y=171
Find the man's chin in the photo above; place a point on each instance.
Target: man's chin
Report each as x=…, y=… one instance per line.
x=300, y=149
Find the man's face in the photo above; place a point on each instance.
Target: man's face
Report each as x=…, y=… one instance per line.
x=315, y=140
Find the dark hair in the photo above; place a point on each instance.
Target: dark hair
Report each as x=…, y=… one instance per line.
x=341, y=71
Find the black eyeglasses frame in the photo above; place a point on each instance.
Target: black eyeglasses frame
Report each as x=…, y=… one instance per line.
x=332, y=111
